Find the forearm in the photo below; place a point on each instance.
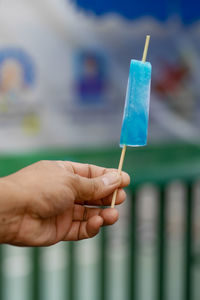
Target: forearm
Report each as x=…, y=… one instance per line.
x=11, y=210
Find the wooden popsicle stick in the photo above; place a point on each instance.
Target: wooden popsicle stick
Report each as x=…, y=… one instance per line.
x=119, y=171
x=124, y=147
x=146, y=48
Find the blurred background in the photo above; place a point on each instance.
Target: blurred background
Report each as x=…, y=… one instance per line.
x=63, y=73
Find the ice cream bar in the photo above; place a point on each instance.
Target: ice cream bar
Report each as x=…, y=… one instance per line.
x=136, y=112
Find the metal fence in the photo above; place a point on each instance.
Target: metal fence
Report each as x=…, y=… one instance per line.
x=158, y=166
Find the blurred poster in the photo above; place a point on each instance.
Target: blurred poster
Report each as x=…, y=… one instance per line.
x=91, y=79
x=64, y=67
x=17, y=76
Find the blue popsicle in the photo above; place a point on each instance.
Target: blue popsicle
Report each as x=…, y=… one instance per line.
x=136, y=112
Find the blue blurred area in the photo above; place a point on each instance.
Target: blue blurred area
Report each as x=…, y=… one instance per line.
x=188, y=11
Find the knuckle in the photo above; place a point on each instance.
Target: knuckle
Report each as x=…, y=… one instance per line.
x=89, y=190
x=89, y=170
x=74, y=181
x=94, y=189
x=85, y=189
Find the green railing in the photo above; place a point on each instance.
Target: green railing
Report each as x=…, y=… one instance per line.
x=156, y=165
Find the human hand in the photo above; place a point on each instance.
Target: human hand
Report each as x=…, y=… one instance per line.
x=51, y=201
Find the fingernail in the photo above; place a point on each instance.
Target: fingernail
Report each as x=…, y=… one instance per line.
x=111, y=178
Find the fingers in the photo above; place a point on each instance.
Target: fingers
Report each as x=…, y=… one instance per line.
x=92, y=171
x=94, y=185
x=121, y=196
x=109, y=215
x=87, y=229
x=84, y=230
x=82, y=213
x=87, y=170
x=92, y=190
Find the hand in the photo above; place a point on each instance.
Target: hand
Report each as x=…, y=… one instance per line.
x=52, y=201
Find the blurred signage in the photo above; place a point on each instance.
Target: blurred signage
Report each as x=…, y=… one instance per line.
x=64, y=69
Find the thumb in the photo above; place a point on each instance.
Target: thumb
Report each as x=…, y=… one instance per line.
x=91, y=189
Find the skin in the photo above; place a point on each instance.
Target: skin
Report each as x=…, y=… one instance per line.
x=53, y=201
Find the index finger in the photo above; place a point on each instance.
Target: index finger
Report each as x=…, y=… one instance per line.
x=93, y=171
x=88, y=170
